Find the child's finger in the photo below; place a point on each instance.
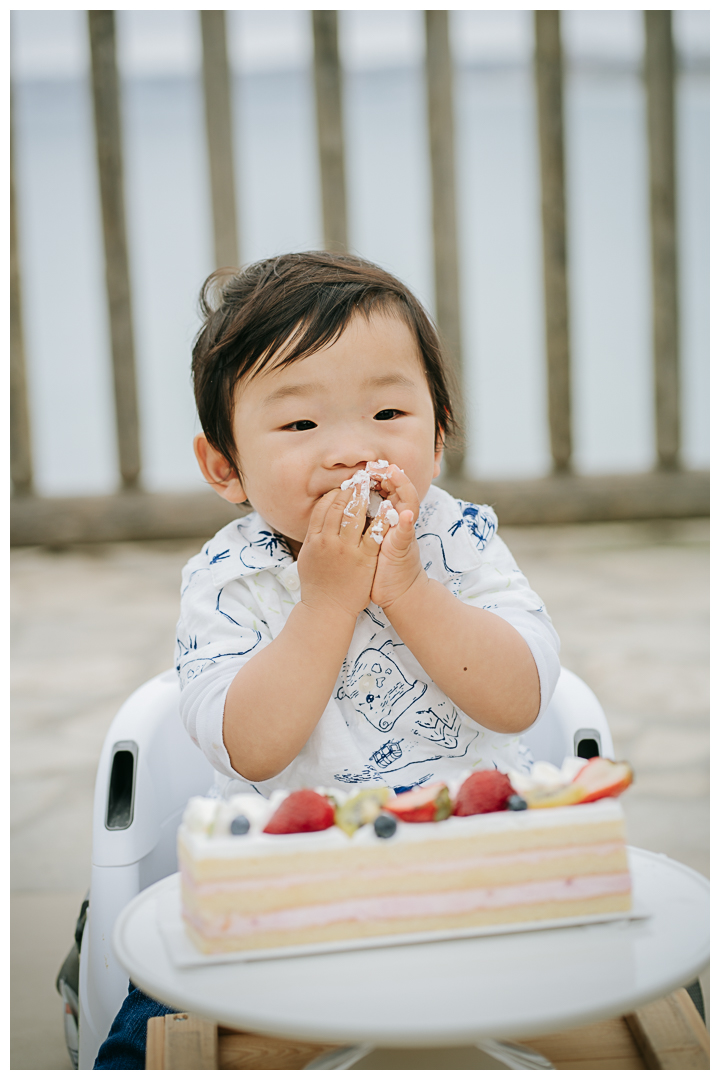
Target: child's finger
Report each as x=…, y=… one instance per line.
x=402, y=536
x=383, y=521
x=353, y=519
x=400, y=490
x=322, y=508
x=346, y=514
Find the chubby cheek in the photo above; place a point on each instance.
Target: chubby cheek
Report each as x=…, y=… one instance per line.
x=284, y=497
x=421, y=472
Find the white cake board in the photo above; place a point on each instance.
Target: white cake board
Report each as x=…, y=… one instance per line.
x=184, y=954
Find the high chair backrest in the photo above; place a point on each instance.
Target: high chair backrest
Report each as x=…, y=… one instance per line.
x=148, y=770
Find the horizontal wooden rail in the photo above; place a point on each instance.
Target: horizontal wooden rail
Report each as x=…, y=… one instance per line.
x=548, y=500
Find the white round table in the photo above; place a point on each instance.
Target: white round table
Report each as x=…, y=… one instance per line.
x=450, y=993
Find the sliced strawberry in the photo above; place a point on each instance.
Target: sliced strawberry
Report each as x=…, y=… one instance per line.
x=483, y=792
x=602, y=779
x=431, y=803
x=302, y=811
x=599, y=779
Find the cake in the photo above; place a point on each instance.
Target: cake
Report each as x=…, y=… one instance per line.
x=380, y=867
x=366, y=485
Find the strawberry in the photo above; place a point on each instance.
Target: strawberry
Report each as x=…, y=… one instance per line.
x=483, y=793
x=431, y=803
x=302, y=811
x=599, y=779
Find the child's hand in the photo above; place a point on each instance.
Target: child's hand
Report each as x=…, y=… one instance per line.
x=337, y=563
x=398, y=565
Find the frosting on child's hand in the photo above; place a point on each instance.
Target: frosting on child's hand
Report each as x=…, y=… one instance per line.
x=387, y=514
x=367, y=484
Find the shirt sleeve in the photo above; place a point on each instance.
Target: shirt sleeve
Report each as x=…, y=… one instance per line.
x=217, y=633
x=499, y=586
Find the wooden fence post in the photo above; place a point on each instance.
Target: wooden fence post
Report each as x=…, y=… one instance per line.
x=441, y=126
x=660, y=88
x=21, y=470
x=217, y=85
x=331, y=146
x=549, y=87
x=108, y=134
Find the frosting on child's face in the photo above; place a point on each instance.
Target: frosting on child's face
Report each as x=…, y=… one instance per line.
x=302, y=430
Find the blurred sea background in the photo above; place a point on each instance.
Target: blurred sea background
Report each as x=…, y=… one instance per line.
x=170, y=234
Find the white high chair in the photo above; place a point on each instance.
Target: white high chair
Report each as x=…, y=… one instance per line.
x=148, y=770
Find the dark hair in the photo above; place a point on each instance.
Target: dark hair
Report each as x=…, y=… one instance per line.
x=310, y=296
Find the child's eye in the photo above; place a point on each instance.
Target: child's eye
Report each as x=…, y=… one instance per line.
x=300, y=425
x=387, y=414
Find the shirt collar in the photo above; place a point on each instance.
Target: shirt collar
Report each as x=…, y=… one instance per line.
x=453, y=533
x=246, y=547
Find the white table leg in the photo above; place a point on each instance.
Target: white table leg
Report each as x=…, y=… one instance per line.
x=488, y=1054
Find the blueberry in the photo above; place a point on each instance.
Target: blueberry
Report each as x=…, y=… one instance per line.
x=239, y=825
x=516, y=802
x=385, y=825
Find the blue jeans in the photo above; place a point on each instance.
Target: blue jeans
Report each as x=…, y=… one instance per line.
x=124, y=1047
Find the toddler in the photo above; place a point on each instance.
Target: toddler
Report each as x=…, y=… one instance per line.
x=315, y=646
x=319, y=644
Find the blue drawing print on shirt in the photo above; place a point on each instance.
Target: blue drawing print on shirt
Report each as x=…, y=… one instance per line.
x=370, y=614
x=442, y=729
x=418, y=783
x=260, y=552
x=191, y=575
x=387, y=754
x=362, y=777
x=190, y=647
x=220, y=556
x=272, y=542
x=377, y=688
x=234, y=621
x=479, y=525
x=387, y=758
x=192, y=668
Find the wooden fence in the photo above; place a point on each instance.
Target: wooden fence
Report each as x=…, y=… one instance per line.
x=563, y=496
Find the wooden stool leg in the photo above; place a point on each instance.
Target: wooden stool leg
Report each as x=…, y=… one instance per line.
x=155, y=1046
x=670, y=1033
x=181, y=1041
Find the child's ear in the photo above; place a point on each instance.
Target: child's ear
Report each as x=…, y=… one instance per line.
x=439, y=449
x=217, y=470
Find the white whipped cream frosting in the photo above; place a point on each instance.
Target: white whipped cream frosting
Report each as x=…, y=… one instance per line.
x=367, y=480
x=205, y=830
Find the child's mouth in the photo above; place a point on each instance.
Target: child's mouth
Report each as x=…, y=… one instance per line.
x=368, y=480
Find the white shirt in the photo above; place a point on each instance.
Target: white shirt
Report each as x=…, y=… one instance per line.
x=386, y=721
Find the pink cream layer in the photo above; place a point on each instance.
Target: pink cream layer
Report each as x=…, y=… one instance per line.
x=368, y=909
x=478, y=862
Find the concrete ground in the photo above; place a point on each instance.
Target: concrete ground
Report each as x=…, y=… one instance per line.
x=630, y=602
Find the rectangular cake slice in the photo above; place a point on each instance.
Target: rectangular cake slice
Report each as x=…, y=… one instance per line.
x=260, y=891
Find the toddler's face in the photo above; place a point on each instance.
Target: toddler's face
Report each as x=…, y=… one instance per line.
x=302, y=430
